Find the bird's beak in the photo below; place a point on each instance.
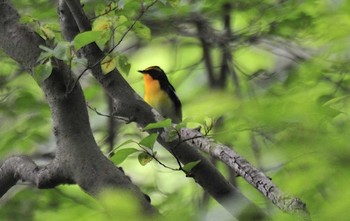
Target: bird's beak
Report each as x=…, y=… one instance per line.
x=142, y=71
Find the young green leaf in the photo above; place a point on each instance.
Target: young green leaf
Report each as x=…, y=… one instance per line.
x=144, y=158
x=189, y=166
x=160, y=124
x=79, y=61
x=102, y=23
x=108, y=64
x=62, y=50
x=149, y=141
x=181, y=124
x=86, y=38
x=124, y=64
x=47, y=32
x=122, y=154
x=44, y=57
x=142, y=31
x=42, y=72
x=26, y=19
x=44, y=48
x=120, y=145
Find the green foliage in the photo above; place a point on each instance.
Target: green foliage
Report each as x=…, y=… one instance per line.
x=160, y=124
x=85, y=38
x=142, y=31
x=24, y=114
x=73, y=204
x=122, y=154
x=189, y=166
x=42, y=72
x=62, y=51
x=144, y=158
x=123, y=64
x=293, y=123
x=149, y=141
x=79, y=62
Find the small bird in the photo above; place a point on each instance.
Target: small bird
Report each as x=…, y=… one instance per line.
x=160, y=94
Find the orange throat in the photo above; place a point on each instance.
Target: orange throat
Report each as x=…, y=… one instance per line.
x=152, y=89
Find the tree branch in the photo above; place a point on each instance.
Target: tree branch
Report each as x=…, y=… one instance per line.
x=78, y=158
x=242, y=167
x=23, y=168
x=129, y=105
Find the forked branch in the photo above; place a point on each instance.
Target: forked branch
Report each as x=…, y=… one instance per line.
x=22, y=168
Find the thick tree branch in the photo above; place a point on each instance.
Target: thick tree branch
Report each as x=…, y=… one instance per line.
x=78, y=158
x=242, y=167
x=15, y=35
x=23, y=168
x=130, y=106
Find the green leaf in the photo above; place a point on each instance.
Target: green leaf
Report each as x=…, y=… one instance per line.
x=47, y=32
x=44, y=57
x=124, y=143
x=79, y=61
x=108, y=64
x=122, y=21
x=144, y=158
x=189, y=166
x=111, y=153
x=86, y=38
x=26, y=19
x=44, y=48
x=149, y=141
x=100, y=9
x=42, y=71
x=182, y=124
x=142, y=31
x=124, y=64
x=62, y=51
x=122, y=154
x=172, y=135
x=159, y=124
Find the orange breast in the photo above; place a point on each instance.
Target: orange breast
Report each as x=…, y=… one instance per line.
x=157, y=98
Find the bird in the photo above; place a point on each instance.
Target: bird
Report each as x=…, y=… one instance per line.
x=160, y=94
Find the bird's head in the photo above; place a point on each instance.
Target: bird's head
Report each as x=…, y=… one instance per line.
x=155, y=72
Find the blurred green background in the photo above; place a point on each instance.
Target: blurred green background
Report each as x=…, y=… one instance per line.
x=289, y=117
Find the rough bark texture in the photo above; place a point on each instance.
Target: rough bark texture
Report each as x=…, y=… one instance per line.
x=130, y=106
x=23, y=168
x=243, y=168
x=78, y=158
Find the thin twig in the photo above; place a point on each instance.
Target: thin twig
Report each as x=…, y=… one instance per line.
x=106, y=12
x=158, y=161
x=107, y=115
x=142, y=12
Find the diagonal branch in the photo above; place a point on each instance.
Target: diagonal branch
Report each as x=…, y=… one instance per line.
x=242, y=167
x=129, y=105
x=78, y=158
